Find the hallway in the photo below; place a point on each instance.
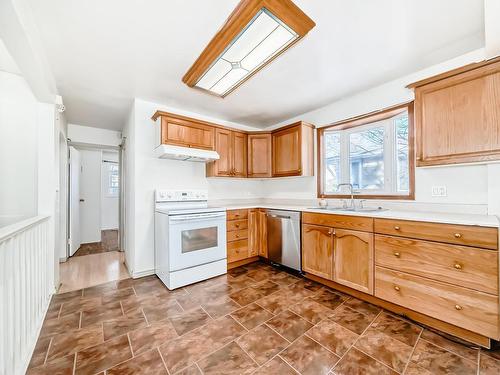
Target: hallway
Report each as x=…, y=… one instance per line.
x=89, y=270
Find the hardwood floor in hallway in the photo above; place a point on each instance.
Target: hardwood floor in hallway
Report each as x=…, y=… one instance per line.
x=89, y=270
x=109, y=242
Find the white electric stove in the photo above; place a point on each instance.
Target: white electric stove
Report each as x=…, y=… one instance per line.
x=190, y=238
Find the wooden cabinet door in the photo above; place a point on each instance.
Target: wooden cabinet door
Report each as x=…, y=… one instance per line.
x=317, y=250
x=287, y=153
x=186, y=133
x=223, y=140
x=259, y=155
x=239, y=154
x=353, y=259
x=253, y=232
x=458, y=118
x=262, y=233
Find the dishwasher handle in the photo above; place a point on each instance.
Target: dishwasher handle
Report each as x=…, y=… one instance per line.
x=278, y=216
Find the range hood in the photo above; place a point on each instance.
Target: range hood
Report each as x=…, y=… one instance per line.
x=185, y=153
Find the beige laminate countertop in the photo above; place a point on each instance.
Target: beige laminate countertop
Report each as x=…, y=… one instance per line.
x=428, y=216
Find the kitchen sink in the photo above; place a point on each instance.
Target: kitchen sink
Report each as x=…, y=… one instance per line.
x=357, y=209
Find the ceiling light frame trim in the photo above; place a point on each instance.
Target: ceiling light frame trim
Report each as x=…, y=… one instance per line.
x=284, y=11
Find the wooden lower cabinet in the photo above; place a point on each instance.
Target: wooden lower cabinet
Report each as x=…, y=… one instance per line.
x=253, y=232
x=353, y=259
x=262, y=229
x=466, y=308
x=411, y=270
x=317, y=250
x=243, y=236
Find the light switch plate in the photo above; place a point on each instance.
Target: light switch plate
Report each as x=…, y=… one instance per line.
x=439, y=191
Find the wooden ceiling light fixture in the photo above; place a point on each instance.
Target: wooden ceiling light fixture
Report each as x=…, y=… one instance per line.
x=256, y=32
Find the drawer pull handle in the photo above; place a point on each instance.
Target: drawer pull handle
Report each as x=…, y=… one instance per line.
x=458, y=235
x=458, y=307
x=458, y=266
x=397, y=254
x=397, y=227
x=397, y=288
x=237, y=225
x=330, y=232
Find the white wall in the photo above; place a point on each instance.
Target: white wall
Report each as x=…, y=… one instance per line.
x=18, y=148
x=467, y=186
x=86, y=135
x=90, y=191
x=149, y=173
x=109, y=205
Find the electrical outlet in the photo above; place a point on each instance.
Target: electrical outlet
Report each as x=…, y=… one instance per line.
x=439, y=191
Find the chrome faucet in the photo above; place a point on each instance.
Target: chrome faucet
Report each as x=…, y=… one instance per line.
x=351, y=193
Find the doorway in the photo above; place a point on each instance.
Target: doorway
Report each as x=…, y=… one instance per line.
x=94, y=199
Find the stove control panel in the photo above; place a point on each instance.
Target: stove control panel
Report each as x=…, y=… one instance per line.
x=181, y=195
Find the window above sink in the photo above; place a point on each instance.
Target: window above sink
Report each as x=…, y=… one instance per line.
x=374, y=153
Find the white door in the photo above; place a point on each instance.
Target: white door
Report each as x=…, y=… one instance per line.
x=74, y=200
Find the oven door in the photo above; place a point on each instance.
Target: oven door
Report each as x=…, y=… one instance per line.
x=196, y=239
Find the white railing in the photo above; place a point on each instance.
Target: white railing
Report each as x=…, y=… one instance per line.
x=26, y=284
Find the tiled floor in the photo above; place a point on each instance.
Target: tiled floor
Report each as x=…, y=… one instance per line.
x=254, y=320
x=109, y=242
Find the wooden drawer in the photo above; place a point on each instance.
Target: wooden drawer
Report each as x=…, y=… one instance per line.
x=469, y=267
x=364, y=224
x=236, y=225
x=468, y=235
x=237, y=235
x=469, y=309
x=237, y=250
x=237, y=214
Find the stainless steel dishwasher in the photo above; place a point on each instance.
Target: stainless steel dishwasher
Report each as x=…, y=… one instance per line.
x=283, y=238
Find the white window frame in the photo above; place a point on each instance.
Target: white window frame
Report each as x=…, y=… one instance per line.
x=109, y=178
x=390, y=159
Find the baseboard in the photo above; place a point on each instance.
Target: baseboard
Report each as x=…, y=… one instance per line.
x=62, y=260
x=32, y=345
x=137, y=275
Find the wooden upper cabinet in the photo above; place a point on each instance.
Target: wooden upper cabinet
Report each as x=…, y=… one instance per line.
x=293, y=148
x=223, y=166
x=259, y=155
x=183, y=131
x=457, y=115
x=232, y=149
x=239, y=154
x=317, y=250
x=354, y=259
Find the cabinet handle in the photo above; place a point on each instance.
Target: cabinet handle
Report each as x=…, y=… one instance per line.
x=330, y=232
x=396, y=227
x=397, y=254
x=458, y=307
x=457, y=266
x=458, y=235
x=237, y=225
x=397, y=288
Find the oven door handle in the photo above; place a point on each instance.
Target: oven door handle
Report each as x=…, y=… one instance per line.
x=197, y=217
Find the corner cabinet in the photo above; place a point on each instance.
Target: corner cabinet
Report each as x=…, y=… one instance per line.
x=259, y=155
x=232, y=149
x=457, y=115
x=293, y=150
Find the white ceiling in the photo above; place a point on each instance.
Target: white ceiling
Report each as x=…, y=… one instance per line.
x=105, y=53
